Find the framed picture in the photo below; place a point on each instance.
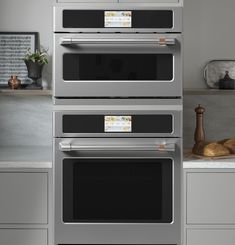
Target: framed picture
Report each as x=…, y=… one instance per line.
x=13, y=47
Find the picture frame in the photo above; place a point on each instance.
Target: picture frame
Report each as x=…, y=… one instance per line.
x=13, y=47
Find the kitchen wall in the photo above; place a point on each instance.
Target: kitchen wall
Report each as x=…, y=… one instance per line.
x=30, y=15
x=208, y=34
x=25, y=120
x=219, y=117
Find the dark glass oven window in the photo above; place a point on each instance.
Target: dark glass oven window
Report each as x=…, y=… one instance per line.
x=117, y=67
x=117, y=190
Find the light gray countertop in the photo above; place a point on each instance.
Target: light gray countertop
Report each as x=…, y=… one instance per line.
x=26, y=157
x=190, y=162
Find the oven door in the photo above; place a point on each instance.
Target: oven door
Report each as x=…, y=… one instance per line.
x=117, y=65
x=117, y=191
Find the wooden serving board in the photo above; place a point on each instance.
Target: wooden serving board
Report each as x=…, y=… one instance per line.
x=190, y=154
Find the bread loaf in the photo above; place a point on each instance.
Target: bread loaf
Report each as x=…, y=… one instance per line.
x=229, y=144
x=210, y=149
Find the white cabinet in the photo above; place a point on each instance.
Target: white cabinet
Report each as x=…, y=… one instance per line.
x=25, y=206
x=210, y=236
x=210, y=198
x=209, y=206
x=23, y=198
x=23, y=237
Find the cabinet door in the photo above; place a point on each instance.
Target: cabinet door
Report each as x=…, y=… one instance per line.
x=87, y=1
x=23, y=237
x=210, y=237
x=149, y=1
x=23, y=198
x=210, y=198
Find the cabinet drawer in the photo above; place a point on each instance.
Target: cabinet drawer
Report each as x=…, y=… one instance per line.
x=210, y=198
x=23, y=198
x=210, y=237
x=23, y=237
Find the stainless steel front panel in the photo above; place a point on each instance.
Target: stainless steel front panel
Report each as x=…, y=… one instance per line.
x=118, y=233
x=116, y=44
x=58, y=16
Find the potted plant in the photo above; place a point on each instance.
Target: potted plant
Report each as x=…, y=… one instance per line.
x=35, y=63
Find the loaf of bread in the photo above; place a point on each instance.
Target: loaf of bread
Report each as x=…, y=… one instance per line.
x=210, y=149
x=229, y=144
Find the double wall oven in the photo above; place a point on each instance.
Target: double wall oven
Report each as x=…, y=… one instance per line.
x=117, y=137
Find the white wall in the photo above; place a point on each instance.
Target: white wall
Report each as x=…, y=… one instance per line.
x=30, y=15
x=209, y=33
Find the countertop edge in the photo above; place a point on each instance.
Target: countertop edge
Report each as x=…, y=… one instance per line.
x=25, y=164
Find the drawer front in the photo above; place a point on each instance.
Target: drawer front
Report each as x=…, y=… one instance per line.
x=210, y=198
x=210, y=237
x=23, y=237
x=23, y=198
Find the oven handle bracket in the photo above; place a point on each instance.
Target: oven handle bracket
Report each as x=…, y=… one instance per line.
x=165, y=147
x=161, y=42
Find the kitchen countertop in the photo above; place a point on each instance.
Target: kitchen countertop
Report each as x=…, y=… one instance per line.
x=190, y=162
x=25, y=157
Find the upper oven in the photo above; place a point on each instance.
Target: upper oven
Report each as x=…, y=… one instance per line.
x=117, y=50
x=117, y=65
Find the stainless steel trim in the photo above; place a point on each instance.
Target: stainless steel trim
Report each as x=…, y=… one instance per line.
x=158, y=41
x=163, y=147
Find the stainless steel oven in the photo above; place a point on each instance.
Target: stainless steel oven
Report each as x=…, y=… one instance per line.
x=117, y=51
x=117, y=169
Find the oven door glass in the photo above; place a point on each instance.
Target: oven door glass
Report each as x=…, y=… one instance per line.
x=108, y=66
x=117, y=190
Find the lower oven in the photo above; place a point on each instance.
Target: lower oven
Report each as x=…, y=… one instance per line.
x=116, y=184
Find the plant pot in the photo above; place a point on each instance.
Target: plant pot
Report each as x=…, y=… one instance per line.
x=34, y=72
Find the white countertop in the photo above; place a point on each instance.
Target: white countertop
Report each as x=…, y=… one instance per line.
x=194, y=162
x=26, y=157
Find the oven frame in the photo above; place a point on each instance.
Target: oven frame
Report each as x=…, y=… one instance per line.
x=118, y=233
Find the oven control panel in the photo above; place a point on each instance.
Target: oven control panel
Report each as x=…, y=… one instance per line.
x=160, y=123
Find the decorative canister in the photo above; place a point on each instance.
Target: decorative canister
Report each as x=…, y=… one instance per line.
x=14, y=82
x=227, y=82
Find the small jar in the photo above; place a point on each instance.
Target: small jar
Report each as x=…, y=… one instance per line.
x=227, y=82
x=14, y=82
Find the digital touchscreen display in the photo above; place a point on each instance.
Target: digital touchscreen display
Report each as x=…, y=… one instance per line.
x=121, y=124
x=117, y=19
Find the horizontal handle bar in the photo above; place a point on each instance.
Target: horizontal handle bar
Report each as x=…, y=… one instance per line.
x=157, y=41
x=158, y=147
